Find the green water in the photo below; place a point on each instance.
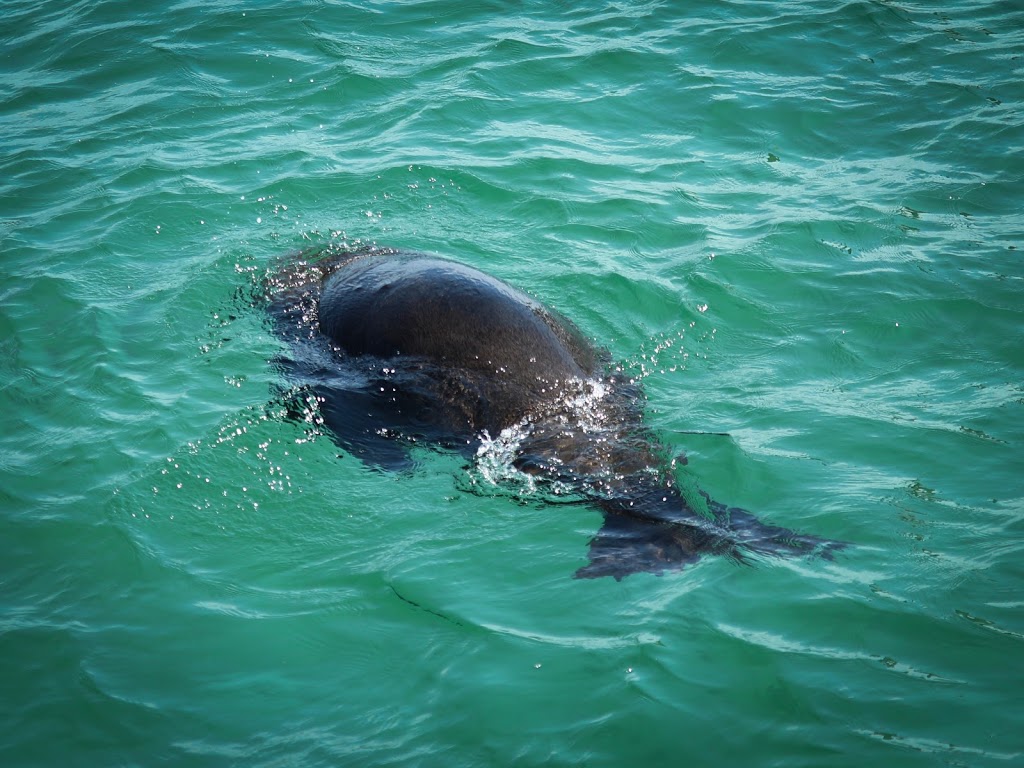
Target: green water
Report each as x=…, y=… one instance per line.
x=800, y=223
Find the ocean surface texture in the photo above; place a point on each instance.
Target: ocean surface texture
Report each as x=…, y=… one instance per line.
x=799, y=224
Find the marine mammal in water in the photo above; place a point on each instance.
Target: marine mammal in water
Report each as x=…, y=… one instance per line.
x=400, y=347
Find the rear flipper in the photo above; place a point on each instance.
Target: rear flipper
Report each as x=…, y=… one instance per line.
x=658, y=531
x=627, y=544
x=751, y=534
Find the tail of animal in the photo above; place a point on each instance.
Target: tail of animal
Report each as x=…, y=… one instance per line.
x=657, y=531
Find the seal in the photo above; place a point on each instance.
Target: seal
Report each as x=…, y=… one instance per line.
x=399, y=349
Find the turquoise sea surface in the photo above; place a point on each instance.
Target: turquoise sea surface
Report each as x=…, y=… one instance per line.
x=800, y=224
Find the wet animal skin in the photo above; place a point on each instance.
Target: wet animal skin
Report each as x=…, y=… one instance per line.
x=403, y=348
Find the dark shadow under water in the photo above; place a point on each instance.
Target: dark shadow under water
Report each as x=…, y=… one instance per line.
x=396, y=349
